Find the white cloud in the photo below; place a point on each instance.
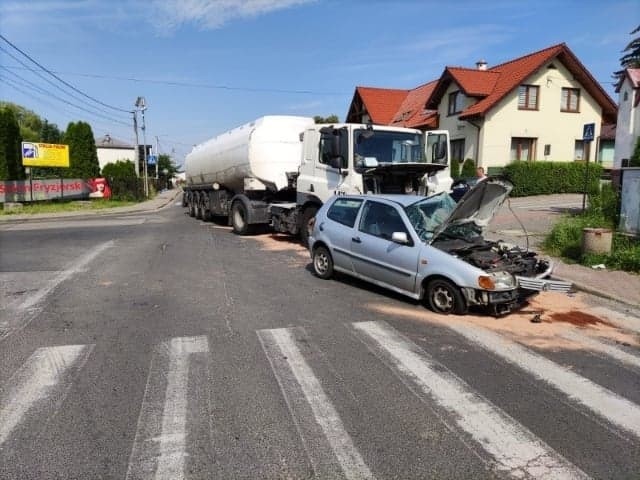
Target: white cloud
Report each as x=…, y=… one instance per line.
x=212, y=14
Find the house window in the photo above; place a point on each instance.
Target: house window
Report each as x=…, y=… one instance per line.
x=456, y=102
x=625, y=97
x=523, y=149
x=570, y=100
x=528, y=97
x=457, y=150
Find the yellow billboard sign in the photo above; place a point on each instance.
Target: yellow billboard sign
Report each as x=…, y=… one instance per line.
x=45, y=155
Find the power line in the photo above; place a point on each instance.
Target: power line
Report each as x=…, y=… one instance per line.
x=199, y=85
x=33, y=86
x=46, y=102
x=61, y=80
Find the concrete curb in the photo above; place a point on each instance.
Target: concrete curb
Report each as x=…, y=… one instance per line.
x=582, y=287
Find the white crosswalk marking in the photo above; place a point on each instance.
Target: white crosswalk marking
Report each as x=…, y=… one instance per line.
x=159, y=449
x=515, y=450
x=597, y=345
x=603, y=402
x=303, y=392
x=40, y=383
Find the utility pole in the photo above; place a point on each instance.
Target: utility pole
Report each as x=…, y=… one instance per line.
x=137, y=150
x=142, y=105
x=157, y=156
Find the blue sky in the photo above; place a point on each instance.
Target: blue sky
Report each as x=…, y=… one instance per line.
x=205, y=66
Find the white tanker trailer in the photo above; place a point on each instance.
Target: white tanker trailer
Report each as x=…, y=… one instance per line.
x=278, y=170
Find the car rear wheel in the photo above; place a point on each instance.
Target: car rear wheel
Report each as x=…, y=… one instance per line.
x=322, y=263
x=445, y=297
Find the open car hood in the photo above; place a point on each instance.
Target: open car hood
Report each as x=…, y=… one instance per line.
x=479, y=205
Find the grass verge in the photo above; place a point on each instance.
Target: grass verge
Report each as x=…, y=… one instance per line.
x=65, y=206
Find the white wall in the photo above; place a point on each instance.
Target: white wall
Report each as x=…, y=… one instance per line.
x=628, y=125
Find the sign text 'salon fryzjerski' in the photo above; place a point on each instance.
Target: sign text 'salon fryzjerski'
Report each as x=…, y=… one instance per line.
x=45, y=155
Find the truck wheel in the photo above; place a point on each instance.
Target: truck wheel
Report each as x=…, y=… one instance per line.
x=198, y=203
x=445, y=297
x=192, y=207
x=308, y=215
x=239, y=217
x=322, y=263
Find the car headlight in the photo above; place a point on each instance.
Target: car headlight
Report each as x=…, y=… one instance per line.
x=497, y=281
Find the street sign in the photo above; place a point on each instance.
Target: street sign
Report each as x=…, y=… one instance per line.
x=152, y=159
x=588, y=132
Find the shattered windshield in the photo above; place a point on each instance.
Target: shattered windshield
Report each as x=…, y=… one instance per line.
x=428, y=214
x=387, y=147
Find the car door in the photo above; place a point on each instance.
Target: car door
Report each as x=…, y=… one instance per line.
x=375, y=256
x=337, y=229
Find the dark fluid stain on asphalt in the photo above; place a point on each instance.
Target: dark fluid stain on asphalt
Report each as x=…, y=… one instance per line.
x=579, y=319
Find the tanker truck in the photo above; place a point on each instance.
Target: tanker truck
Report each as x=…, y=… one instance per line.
x=278, y=170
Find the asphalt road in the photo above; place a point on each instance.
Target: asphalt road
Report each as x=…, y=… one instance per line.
x=159, y=346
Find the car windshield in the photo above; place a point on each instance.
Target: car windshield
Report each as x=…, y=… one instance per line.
x=387, y=147
x=428, y=214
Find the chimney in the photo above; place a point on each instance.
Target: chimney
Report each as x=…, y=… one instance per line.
x=481, y=65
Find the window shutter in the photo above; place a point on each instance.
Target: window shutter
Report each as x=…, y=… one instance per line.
x=522, y=97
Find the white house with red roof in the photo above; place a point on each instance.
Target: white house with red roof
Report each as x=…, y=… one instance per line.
x=628, y=126
x=527, y=109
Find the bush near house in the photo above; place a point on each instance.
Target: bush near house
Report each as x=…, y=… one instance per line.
x=468, y=169
x=124, y=183
x=565, y=239
x=455, y=169
x=543, y=178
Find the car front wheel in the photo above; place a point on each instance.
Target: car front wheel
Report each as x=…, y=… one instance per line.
x=322, y=263
x=445, y=297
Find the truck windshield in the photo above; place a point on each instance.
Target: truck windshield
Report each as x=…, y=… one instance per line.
x=387, y=147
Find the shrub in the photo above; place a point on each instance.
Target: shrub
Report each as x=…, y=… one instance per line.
x=124, y=183
x=468, y=169
x=543, y=178
x=634, y=161
x=455, y=168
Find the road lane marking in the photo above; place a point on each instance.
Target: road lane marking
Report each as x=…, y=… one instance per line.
x=622, y=320
x=515, y=450
x=600, y=346
x=41, y=383
x=19, y=315
x=603, y=402
x=76, y=267
x=159, y=449
x=310, y=408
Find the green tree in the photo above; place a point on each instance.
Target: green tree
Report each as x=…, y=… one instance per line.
x=10, y=146
x=329, y=119
x=30, y=123
x=631, y=55
x=121, y=169
x=468, y=169
x=50, y=133
x=83, y=156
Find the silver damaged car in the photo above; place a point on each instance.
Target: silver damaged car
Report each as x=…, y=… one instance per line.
x=429, y=248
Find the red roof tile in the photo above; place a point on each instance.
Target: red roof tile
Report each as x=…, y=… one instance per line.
x=381, y=103
x=412, y=111
x=474, y=83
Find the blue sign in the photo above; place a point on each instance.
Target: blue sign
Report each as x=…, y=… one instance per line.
x=588, y=132
x=151, y=160
x=29, y=150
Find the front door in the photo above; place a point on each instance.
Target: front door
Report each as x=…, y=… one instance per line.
x=375, y=256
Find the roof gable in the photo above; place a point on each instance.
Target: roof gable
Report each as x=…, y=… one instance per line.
x=380, y=103
x=412, y=111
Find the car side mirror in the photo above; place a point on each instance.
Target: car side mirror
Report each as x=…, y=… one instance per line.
x=400, y=237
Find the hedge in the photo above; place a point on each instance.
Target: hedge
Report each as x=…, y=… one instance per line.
x=542, y=178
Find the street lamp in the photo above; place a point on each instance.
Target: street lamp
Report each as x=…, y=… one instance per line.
x=141, y=105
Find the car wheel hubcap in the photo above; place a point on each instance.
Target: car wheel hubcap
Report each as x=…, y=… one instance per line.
x=238, y=218
x=442, y=299
x=322, y=263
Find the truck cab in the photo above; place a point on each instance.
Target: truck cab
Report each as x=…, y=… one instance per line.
x=360, y=159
